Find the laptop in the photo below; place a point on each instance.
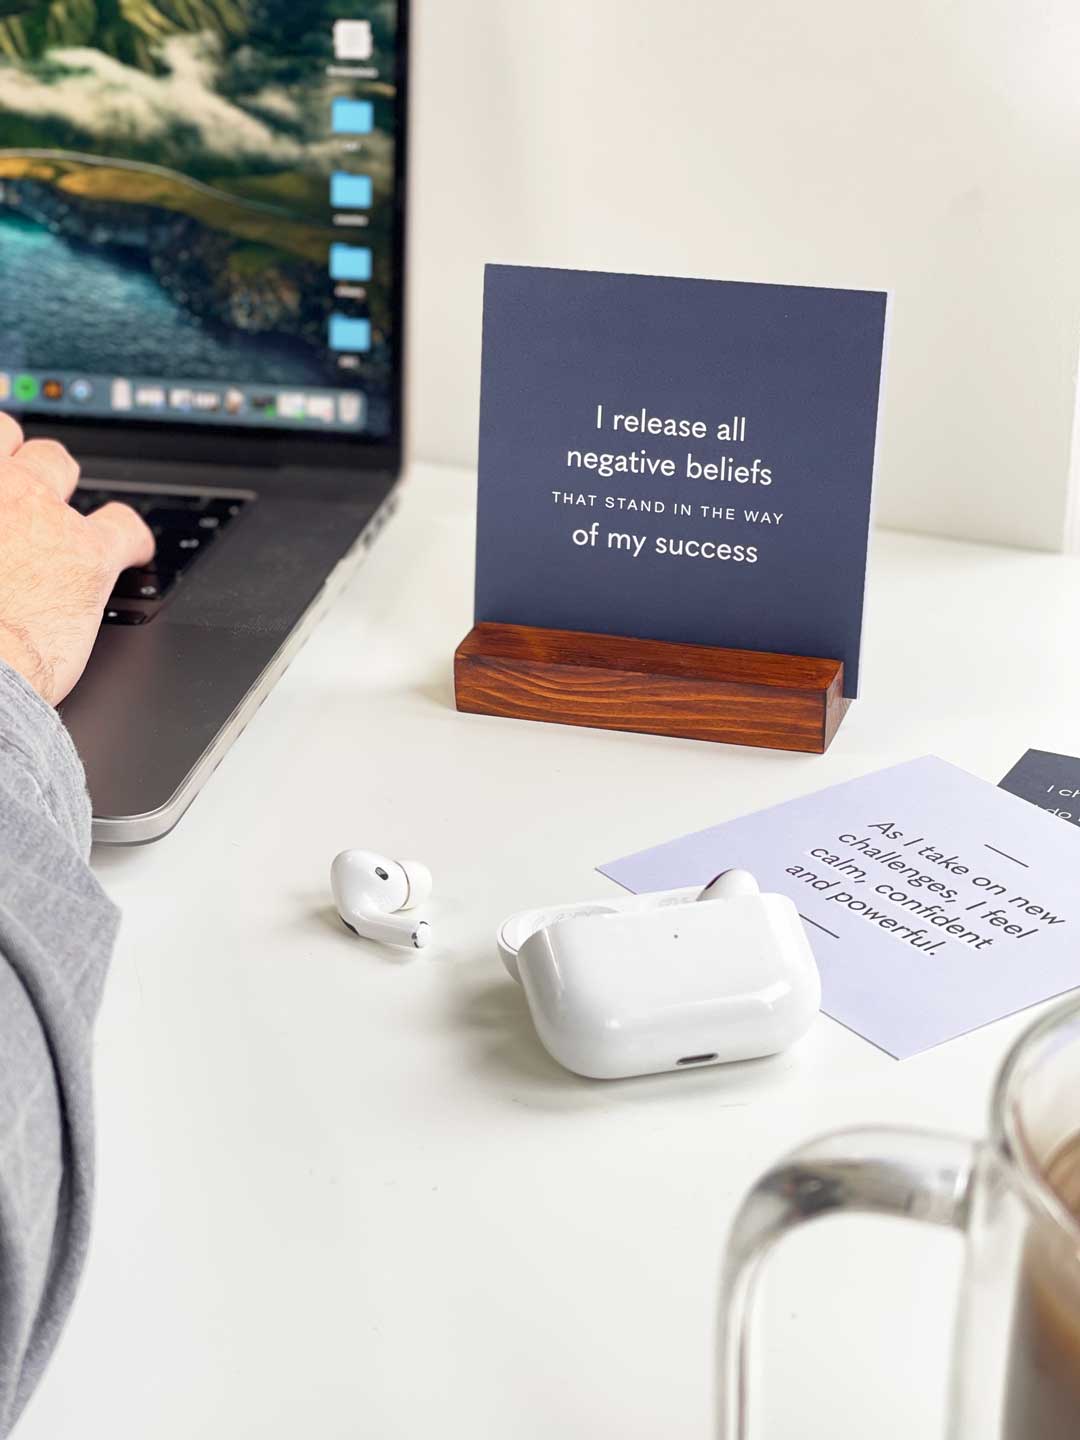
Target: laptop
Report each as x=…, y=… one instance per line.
x=201, y=251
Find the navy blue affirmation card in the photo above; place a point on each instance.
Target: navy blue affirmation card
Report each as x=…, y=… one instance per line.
x=1048, y=780
x=678, y=459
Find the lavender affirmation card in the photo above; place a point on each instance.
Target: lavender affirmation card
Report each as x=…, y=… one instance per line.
x=935, y=902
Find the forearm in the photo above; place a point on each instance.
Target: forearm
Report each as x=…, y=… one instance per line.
x=56, y=934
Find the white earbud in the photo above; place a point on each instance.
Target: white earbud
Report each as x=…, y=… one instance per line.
x=729, y=885
x=370, y=891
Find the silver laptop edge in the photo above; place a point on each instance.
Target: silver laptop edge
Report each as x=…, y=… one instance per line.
x=153, y=824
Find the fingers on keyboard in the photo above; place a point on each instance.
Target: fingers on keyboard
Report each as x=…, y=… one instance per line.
x=184, y=527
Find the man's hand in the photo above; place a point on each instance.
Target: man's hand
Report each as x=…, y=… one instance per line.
x=57, y=567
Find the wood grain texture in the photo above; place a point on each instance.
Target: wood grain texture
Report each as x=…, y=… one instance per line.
x=612, y=682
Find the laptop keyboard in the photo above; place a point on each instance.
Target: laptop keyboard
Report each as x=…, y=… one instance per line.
x=184, y=526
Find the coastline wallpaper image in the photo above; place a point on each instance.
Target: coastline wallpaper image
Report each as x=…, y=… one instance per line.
x=165, y=189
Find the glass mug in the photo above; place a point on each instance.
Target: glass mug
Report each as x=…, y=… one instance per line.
x=1015, y=1197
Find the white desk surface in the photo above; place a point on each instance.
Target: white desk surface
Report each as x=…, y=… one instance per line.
x=343, y=1194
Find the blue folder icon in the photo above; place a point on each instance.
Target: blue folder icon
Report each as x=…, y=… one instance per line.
x=352, y=117
x=350, y=192
x=350, y=262
x=349, y=334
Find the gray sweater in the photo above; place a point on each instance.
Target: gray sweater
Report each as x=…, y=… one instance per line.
x=56, y=934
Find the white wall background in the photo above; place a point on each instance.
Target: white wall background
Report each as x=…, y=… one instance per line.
x=931, y=147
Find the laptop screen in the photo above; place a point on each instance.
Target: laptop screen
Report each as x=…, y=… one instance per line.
x=197, y=212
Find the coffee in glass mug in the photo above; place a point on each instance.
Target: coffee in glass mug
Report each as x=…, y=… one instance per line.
x=1016, y=1199
x=1043, y=1392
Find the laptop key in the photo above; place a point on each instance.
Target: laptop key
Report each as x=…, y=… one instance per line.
x=171, y=520
x=176, y=554
x=223, y=509
x=137, y=585
x=125, y=617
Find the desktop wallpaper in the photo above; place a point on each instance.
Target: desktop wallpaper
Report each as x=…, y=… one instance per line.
x=172, y=180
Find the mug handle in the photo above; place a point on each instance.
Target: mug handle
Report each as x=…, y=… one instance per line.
x=909, y=1173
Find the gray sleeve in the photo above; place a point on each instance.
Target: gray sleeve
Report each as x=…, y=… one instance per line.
x=56, y=935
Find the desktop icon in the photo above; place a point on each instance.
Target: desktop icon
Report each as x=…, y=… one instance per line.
x=81, y=391
x=353, y=40
x=234, y=401
x=180, y=398
x=121, y=395
x=265, y=405
x=206, y=400
x=350, y=262
x=349, y=409
x=347, y=333
x=292, y=405
x=26, y=388
x=5, y=386
x=321, y=407
x=350, y=192
x=352, y=117
x=150, y=397
x=52, y=389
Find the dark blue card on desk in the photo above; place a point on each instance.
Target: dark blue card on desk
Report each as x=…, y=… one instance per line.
x=685, y=460
x=1048, y=780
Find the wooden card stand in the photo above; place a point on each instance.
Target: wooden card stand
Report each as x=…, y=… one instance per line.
x=742, y=697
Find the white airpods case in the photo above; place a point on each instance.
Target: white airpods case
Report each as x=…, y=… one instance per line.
x=665, y=982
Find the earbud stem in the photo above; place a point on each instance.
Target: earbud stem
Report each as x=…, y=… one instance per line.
x=404, y=930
